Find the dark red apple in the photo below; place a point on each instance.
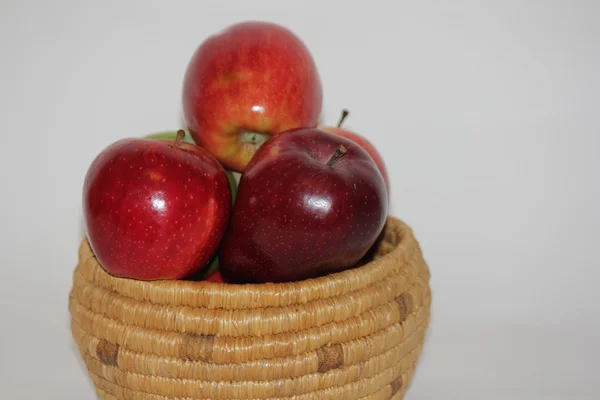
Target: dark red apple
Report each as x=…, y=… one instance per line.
x=368, y=146
x=246, y=83
x=155, y=209
x=310, y=203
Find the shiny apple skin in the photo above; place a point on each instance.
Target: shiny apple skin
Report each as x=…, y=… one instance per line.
x=296, y=217
x=368, y=146
x=251, y=77
x=154, y=211
x=171, y=135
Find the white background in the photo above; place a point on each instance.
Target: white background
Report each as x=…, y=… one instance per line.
x=487, y=114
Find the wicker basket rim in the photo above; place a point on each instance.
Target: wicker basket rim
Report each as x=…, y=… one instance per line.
x=308, y=289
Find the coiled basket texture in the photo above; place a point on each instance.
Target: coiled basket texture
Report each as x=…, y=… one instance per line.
x=356, y=334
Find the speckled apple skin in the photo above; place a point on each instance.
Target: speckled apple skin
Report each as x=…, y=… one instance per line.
x=296, y=217
x=155, y=211
x=251, y=77
x=368, y=146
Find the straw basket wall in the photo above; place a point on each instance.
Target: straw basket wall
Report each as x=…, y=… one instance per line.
x=351, y=335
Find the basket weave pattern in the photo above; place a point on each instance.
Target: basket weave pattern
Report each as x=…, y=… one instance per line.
x=351, y=335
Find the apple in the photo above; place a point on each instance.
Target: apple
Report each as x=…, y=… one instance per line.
x=368, y=146
x=310, y=203
x=232, y=177
x=201, y=275
x=171, y=135
x=246, y=83
x=155, y=209
x=216, y=276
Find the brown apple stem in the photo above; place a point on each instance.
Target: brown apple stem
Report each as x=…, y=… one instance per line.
x=179, y=137
x=340, y=151
x=343, y=117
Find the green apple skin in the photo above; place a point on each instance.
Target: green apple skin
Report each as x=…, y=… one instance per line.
x=212, y=267
x=170, y=135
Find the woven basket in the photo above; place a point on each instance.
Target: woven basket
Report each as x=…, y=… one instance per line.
x=351, y=335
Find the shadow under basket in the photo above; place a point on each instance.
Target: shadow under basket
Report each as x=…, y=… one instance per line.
x=356, y=334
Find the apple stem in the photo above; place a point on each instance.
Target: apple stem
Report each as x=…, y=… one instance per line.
x=179, y=137
x=340, y=151
x=343, y=117
x=254, y=138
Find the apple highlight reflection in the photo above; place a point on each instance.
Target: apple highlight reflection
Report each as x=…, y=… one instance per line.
x=158, y=204
x=319, y=204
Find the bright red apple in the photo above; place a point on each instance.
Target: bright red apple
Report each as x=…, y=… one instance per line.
x=155, y=209
x=368, y=146
x=172, y=135
x=216, y=276
x=310, y=203
x=246, y=83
